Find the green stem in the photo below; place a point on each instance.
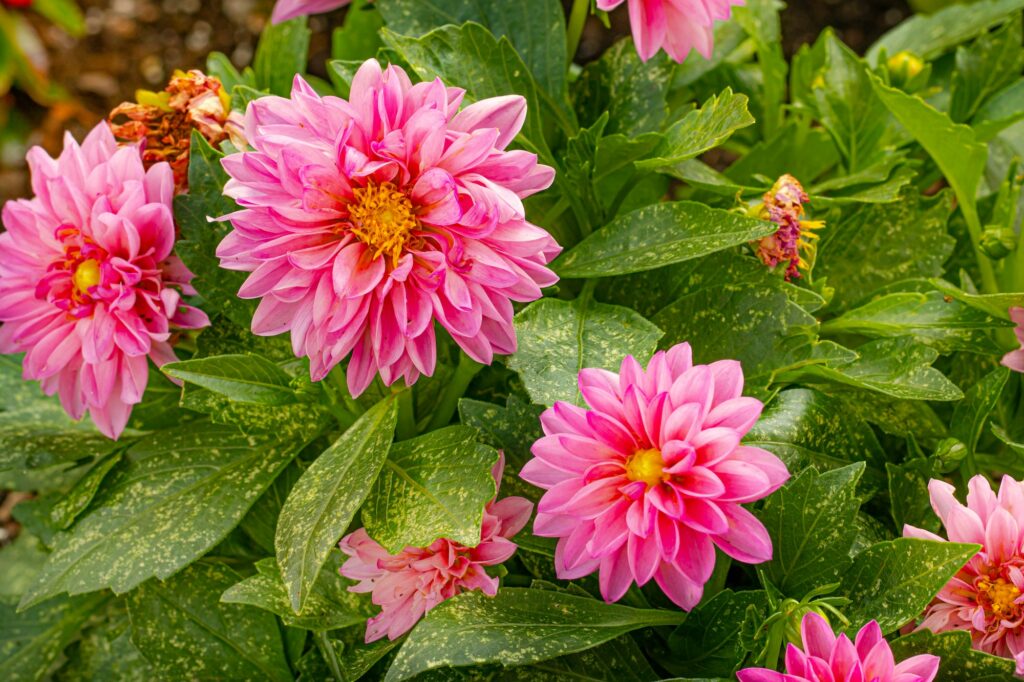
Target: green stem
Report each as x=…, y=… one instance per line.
x=329, y=654
x=464, y=373
x=577, y=20
x=406, y=415
x=337, y=378
x=988, y=273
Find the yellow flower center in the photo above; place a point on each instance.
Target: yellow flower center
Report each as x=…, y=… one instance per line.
x=1001, y=596
x=646, y=466
x=383, y=219
x=87, y=275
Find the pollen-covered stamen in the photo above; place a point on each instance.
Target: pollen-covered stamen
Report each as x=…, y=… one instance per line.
x=87, y=275
x=71, y=280
x=1000, y=597
x=383, y=218
x=647, y=466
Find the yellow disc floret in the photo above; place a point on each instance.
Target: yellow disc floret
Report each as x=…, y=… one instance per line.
x=1000, y=596
x=646, y=466
x=383, y=218
x=87, y=275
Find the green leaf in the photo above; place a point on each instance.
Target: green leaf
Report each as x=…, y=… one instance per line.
x=659, y=235
x=702, y=129
x=260, y=524
x=20, y=562
x=31, y=641
x=929, y=35
x=996, y=305
x=329, y=606
x=535, y=27
x=709, y=638
x=993, y=62
x=960, y=660
x=899, y=368
x=633, y=92
x=29, y=444
x=200, y=237
x=928, y=317
x=325, y=499
x=244, y=378
x=185, y=632
x=953, y=147
x=486, y=67
x=811, y=523
x=71, y=505
x=177, y=494
x=559, y=338
x=280, y=55
x=106, y=653
x=892, y=582
x=805, y=427
x=357, y=39
x=516, y=627
x=972, y=412
x=879, y=244
x=431, y=487
x=1000, y=112
x=64, y=13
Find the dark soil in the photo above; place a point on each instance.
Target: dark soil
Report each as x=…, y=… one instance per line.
x=134, y=44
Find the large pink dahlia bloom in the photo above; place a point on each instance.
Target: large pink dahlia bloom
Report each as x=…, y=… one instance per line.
x=645, y=483
x=1015, y=358
x=676, y=25
x=289, y=9
x=88, y=286
x=827, y=658
x=364, y=221
x=986, y=597
x=408, y=584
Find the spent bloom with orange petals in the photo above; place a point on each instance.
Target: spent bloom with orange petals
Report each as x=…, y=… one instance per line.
x=827, y=658
x=1015, y=358
x=679, y=26
x=408, y=584
x=164, y=121
x=648, y=481
x=986, y=597
x=784, y=205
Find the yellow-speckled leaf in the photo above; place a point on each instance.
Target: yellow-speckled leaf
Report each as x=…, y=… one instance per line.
x=32, y=640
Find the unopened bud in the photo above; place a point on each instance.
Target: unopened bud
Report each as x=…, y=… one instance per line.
x=998, y=242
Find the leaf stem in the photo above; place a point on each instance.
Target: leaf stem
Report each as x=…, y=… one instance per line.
x=577, y=20
x=406, y=414
x=464, y=373
x=330, y=655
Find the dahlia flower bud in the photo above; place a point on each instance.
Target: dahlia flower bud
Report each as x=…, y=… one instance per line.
x=164, y=121
x=784, y=205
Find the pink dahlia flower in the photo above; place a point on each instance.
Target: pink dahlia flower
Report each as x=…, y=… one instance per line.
x=289, y=9
x=676, y=25
x=408, y=584
x=827, y=658
x=365, y=221
x=88, y=286
x=986, y=597
x=649, y=480
x=1015, y=359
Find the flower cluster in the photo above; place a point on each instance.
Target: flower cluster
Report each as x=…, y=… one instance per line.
x=784, y=205
x=648, y=481
x=408, y=584
x=89, y=288
x=827, y=658
x=365, y=221
x=986, y=597
x=164, y=121
x=679, y=26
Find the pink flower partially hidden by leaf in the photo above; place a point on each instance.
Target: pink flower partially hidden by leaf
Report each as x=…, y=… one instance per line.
x=289, y=9
x=1015, y=358
x=408, y=584
x=679, y=26
x=365, y=221
x=89, y=288
x=827, y=658
x=652, y=477
x=986, y=597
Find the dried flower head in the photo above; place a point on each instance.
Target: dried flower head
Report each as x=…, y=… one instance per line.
x=784, y=205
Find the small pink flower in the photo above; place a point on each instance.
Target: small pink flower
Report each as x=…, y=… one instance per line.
x=676, y=25
x=986, y=597
x=289, y=9
x=1015, y=358
x=649, y=480
x=365, y=221
x=827, y=658
x=89, y=288
x=408, y=584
